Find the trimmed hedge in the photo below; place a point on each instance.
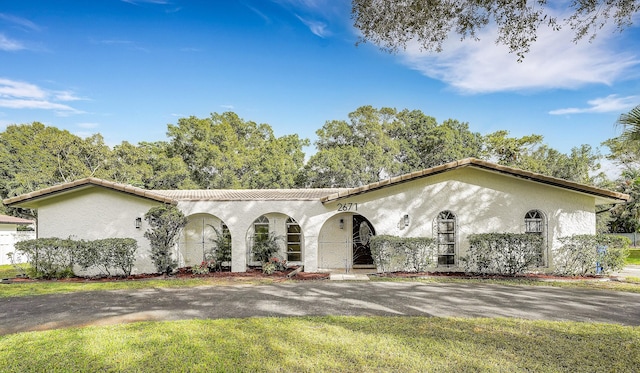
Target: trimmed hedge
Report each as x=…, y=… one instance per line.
x=590, y=254
x=503, y=253
x=412, y=254
x=49, y=257
x=55, y=257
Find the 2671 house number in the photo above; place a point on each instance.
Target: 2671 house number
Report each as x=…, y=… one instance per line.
x=347, y=207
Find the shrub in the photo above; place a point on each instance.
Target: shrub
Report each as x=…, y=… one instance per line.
x=204, y=267
x=166, y=222
x=266, y=248
x=49, y=257
x=220, y=250
x=274, y=264
x=54, y=257
x=585, y=254
x=503, y=253
x=392, y=253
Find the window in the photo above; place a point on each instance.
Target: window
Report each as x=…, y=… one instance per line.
x=294, y=241
x=534, y=224
x=261, y=229
x=446, y=225
x=260, y=232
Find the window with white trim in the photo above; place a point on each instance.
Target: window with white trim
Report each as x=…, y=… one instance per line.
x=446, y=239
x=294, y=241
x=534, y=223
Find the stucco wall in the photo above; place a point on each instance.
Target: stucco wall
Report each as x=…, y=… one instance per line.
x=482, y=201
x=97, y=213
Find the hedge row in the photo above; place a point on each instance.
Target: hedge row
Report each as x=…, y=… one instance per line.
x=392, y=253
x=56, y=257
x=507, y=254
x=503, y=253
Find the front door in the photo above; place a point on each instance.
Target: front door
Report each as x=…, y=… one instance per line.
x=362, y=233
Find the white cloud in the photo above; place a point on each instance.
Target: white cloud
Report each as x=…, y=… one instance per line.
x=609, y=104
x=19, y=21
x=21, y=95
x=553, y=62
x=12, y=88
x=9, y=45
x=318, y=28
x=228, y=107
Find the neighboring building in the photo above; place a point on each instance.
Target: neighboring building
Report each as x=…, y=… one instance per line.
x=9, y=235
x=330, y=228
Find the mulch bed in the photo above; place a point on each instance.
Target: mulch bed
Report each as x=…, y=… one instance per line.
x=185, y=273
x=525, y=276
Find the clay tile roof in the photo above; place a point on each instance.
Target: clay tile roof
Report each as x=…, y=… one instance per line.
x=248, y=194
x=6, y=219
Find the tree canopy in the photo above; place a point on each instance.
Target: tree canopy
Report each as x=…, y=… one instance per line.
x=393, y=24
x=226, y=151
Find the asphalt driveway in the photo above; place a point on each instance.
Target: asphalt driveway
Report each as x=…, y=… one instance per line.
x=317, y=298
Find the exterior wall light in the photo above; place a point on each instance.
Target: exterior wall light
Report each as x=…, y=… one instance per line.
x=406, y=220
x=341, y=223
x=138, y=223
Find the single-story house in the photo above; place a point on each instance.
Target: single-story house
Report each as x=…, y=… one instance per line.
x=9, y=235
x=330, y=228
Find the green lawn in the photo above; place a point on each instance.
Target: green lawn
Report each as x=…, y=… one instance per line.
x=333, y=344
x=634, y=257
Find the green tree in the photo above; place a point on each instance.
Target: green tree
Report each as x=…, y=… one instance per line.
x=34, y=156
x=378, y=143
x=631, y=123
x=166, y=222
x=529, y=153
x=148, y=165
x=354, y=153
x=224, y=151
x=393, y=24
x=423, y=143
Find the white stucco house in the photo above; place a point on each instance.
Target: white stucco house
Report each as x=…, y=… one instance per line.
x=330, y=228
x=9, y=235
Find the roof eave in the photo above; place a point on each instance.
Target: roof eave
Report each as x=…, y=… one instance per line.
x=30, y=200
x=602, y=196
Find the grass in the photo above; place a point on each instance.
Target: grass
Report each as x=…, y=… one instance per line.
x=634, y=257
x=630, y=285
x=8, y=271
x=329, y=344
x=21, y=289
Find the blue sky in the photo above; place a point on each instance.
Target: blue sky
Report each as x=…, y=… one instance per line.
x=127, y=68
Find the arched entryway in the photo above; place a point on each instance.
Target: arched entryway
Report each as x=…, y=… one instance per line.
x=202, y=239
x=344, y=242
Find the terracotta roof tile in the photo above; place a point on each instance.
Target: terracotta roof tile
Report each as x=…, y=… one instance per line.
x=6, y=219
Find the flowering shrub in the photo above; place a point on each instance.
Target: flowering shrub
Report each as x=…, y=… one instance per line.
x=204, y=267
x=274, y=264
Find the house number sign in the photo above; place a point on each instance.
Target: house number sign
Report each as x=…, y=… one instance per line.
x=347, y=207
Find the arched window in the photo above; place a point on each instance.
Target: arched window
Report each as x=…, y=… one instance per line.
x=294, y=241
x=446, y=225
x=261, y=229
x=534, y=224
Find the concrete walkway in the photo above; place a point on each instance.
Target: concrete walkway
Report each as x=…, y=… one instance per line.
x=317, y=298
x=628, y=271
